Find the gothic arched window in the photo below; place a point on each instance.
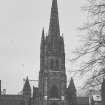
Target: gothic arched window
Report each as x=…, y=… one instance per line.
x=54, y=93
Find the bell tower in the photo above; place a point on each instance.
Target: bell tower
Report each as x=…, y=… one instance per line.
x=52, y=75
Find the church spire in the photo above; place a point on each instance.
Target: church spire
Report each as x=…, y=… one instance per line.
x=54, y=20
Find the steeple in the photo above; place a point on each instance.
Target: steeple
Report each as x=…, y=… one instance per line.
x=54, y=20
x=52, y=75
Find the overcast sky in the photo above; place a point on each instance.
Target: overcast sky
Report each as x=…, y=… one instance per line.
x=21, y=23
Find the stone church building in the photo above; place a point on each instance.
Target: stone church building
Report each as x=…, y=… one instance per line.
x=52, y=87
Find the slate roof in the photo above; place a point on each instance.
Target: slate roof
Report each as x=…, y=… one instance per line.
x=12, y=100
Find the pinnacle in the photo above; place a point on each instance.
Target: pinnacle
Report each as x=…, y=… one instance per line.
x=72, y=85
x=43, y=33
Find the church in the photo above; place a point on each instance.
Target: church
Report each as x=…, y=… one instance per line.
x=52, y=86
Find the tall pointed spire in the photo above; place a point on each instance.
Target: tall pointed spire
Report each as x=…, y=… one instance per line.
x=54, y=20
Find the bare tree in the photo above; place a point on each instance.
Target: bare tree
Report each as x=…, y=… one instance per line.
x=94, y=47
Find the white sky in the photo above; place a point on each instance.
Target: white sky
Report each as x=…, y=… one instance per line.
x=21, y=23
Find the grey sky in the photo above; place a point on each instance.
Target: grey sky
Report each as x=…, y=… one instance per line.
x=21, y=23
